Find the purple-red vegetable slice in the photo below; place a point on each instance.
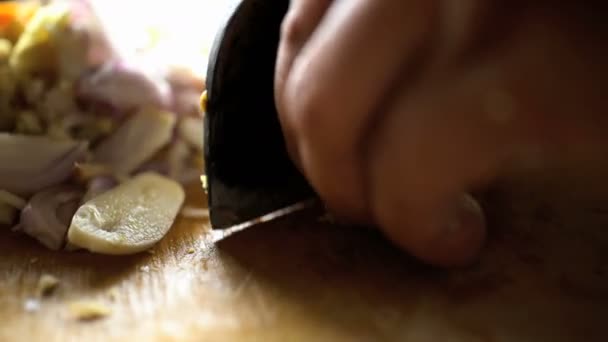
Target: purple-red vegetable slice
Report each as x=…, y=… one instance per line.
x=125, y=87
x=48, y=214
x=32, y=163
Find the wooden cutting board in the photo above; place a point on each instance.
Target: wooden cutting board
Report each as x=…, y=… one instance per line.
x=542, y=277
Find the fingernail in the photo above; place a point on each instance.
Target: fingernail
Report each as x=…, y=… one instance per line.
x=463, y=233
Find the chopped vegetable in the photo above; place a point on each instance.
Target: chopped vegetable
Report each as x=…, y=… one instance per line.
x=88, y=310
x=28, y=123
x=48, y=214
x=33, y=89
x=58, y=102
x=35, y=51
x=8, y=86
x=98, y=186
x=204, y=182
x=87, y=171
x=136, y=141
x=125, y=87
x=46, y=285
x=191, y=130
x=177, y=156
x=14, y=15
x=32, y=163
x=130, y=218
x=113, y=294
x=78, y=120
x=12, y=200
x=8, y=214
x=5, y=50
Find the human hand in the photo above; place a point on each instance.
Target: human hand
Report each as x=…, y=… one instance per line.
x=395, y=110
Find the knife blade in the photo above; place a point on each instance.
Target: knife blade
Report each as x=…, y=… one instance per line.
x=248, y=171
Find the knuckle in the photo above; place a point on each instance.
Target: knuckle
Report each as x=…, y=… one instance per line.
x=294, y=28
x=307, y=110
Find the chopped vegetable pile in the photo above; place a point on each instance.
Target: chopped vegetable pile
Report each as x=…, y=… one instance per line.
x=94, y=146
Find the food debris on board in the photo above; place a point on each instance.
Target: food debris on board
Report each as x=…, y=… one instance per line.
x=113, y=294
x=95, y=144
x=88, y=310
x=47, y=284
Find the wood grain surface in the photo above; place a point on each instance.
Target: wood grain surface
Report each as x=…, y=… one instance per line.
x=542, y=277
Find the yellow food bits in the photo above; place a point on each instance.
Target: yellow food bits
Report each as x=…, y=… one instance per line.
x=204, y=100
x=88, y=310
x=46, y=285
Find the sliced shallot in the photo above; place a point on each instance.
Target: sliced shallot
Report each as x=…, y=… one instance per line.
x=125, y=87
x=32, y=163
x=48, y=214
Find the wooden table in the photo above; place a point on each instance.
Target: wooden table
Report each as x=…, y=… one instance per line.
x=543, y=277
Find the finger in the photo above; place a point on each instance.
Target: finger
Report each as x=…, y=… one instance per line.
x=430, y=148
x=327, y=115
x=461, y=126
x=298, y=26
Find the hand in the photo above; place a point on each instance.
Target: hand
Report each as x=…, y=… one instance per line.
x=396, y=109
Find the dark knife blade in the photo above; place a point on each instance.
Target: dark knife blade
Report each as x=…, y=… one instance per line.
x=249, y=173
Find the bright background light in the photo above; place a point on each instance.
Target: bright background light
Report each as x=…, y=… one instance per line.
x=177, y=32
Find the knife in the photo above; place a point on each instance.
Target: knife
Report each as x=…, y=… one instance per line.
x=248, y=171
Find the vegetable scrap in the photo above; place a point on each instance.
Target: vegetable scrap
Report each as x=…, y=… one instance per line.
x=129, y=218
x=113, y=294
x=12, y=200
x=47, y=284
x=95, y=144
x=7, y=214
x=88, y=310
x=204, y=182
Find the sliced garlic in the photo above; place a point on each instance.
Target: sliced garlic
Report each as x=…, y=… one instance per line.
x=12, y=200
x=191, y=130
x=136, y=141
x=129, y=218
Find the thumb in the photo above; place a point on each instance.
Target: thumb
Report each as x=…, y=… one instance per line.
x=448, y=234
